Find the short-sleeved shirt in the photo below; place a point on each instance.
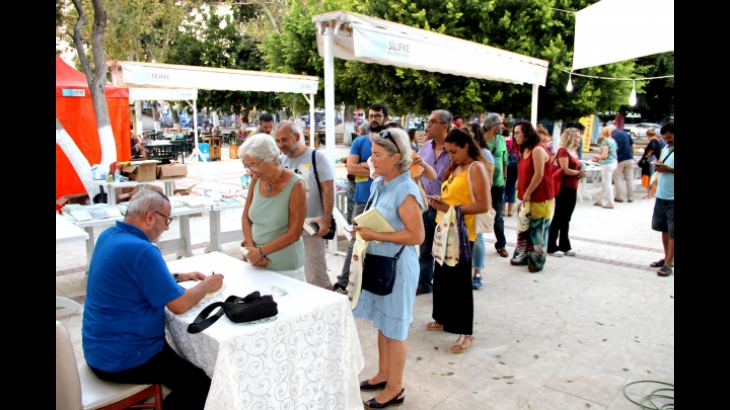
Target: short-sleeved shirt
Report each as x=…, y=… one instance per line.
x=126, y=292
x=570, y=181
x=440, y=164
x=624, y=143
x=499, y=150
x=665, y=186
x=363, y=148
x=612, y=148
x=488, y=155
x=303, y=166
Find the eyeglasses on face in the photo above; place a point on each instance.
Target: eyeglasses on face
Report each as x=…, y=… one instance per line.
x=431, y=123
x=167, y=218
x=253, y=166
x=375, y=116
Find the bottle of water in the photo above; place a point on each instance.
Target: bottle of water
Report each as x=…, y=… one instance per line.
x=117, y=178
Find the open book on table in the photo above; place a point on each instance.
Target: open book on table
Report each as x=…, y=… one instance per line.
x=374, y=220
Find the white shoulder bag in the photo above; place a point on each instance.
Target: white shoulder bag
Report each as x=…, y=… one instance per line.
x=483, y=223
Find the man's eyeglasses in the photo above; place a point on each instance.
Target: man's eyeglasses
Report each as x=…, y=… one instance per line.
x=375, y=116
x=431, y=123
x=167, y=218
x=254, y=166
x=386, y=134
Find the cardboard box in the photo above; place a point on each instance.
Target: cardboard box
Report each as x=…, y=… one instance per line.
x=172, y=171
x=141, y=171
x=72, y=199
x=183, y=191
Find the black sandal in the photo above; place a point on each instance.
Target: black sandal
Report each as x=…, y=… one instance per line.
x=366, y=386
x=664, y=271
x=396, y=401
x=657, y=264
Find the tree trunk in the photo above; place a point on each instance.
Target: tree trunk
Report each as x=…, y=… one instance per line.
x=348, y=122
x=76, y=157
x=96, y=78
x=175, y=118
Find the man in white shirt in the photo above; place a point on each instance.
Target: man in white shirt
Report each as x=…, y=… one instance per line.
x=320, y=197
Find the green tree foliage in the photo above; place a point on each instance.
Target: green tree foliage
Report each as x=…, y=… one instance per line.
x=656, y=103
x=531, y=28
x=218, y=43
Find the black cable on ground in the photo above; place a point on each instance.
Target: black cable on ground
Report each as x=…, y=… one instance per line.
x=649, y=400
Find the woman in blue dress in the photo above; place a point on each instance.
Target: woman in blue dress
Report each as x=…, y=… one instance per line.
x=397, y=198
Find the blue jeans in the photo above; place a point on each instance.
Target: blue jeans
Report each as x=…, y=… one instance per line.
x=497, y=204
x=478, y=253
x=425, y=258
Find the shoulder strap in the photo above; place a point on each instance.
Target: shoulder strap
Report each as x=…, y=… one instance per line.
x=203, y=322
x=468, y=178
x=316, y=175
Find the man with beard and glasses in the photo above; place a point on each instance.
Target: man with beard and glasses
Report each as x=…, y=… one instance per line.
x=128, y=288
x=357, y=164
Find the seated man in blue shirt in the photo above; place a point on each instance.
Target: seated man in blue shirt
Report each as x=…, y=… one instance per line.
x=128, y=288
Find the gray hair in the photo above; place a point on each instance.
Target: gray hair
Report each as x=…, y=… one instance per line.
x=491, y=120
x=293, y=129
x=260, y=147
x=444, y=117
x=365, y=127
x=148, y=199
x=404, y=147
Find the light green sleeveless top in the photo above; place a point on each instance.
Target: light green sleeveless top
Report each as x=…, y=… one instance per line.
x=270, y=219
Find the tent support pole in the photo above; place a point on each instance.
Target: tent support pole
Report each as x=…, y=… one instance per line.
x=329, y=103
x=196, y=151
x=535, y=93
x=310, y=100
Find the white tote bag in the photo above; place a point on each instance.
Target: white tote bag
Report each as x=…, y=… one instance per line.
x=483, y=223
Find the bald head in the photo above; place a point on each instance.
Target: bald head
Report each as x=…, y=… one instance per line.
x=287, y=139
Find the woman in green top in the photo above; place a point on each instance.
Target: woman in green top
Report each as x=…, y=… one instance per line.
x=608, y=160
x=275, y=209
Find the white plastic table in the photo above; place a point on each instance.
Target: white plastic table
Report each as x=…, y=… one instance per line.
x=110, y=187
x=68, y=232
x=217, y=236
x=306, y=357
x=182, y=244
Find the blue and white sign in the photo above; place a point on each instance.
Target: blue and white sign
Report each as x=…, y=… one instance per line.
x=69, y=92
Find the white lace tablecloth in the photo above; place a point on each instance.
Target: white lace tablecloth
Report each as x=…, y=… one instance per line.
x=307, y=357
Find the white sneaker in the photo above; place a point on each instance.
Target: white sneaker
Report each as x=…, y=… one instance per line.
x=570, y=253
x=559, y=254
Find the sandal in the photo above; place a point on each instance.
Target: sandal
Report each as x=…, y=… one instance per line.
x=657, y=264
x=664, y=271
x=434, y=326
x=459, y=346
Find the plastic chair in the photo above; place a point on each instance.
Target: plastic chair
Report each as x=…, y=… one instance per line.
x=78, y=388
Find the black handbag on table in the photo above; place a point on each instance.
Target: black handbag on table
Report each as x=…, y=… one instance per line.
x=237, y=309
x=333, y=225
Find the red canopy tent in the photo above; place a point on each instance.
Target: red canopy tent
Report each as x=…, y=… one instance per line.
x=75, y=111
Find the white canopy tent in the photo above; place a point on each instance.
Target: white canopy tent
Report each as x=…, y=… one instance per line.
x=352, y=36
x=177, y=82
x=617, y=30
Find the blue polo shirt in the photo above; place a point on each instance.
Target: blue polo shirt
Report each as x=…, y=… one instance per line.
x=126, y=293
x=363, y=148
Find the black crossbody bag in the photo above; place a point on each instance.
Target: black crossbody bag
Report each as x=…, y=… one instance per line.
x=333, y=225
x=237, y=310
x=378, y=272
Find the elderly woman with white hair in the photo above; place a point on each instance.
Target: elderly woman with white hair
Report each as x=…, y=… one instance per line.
x=395, y=195
x=275, y=209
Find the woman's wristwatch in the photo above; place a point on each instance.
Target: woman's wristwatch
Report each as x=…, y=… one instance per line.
x=261, y=253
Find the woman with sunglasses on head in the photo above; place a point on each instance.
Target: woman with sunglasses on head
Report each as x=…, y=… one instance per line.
x=396, y=197
x=275, y=210
x=453, y=299
x=535, y=188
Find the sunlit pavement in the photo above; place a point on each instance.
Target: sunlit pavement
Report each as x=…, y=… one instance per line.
x=569, y=337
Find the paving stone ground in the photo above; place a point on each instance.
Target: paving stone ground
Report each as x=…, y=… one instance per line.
x=569, y=337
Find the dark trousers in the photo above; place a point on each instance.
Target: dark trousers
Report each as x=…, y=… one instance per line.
x=189, y=384
x=453, y=298
x=497, y=204
x=425, y=257
x=560, y=225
